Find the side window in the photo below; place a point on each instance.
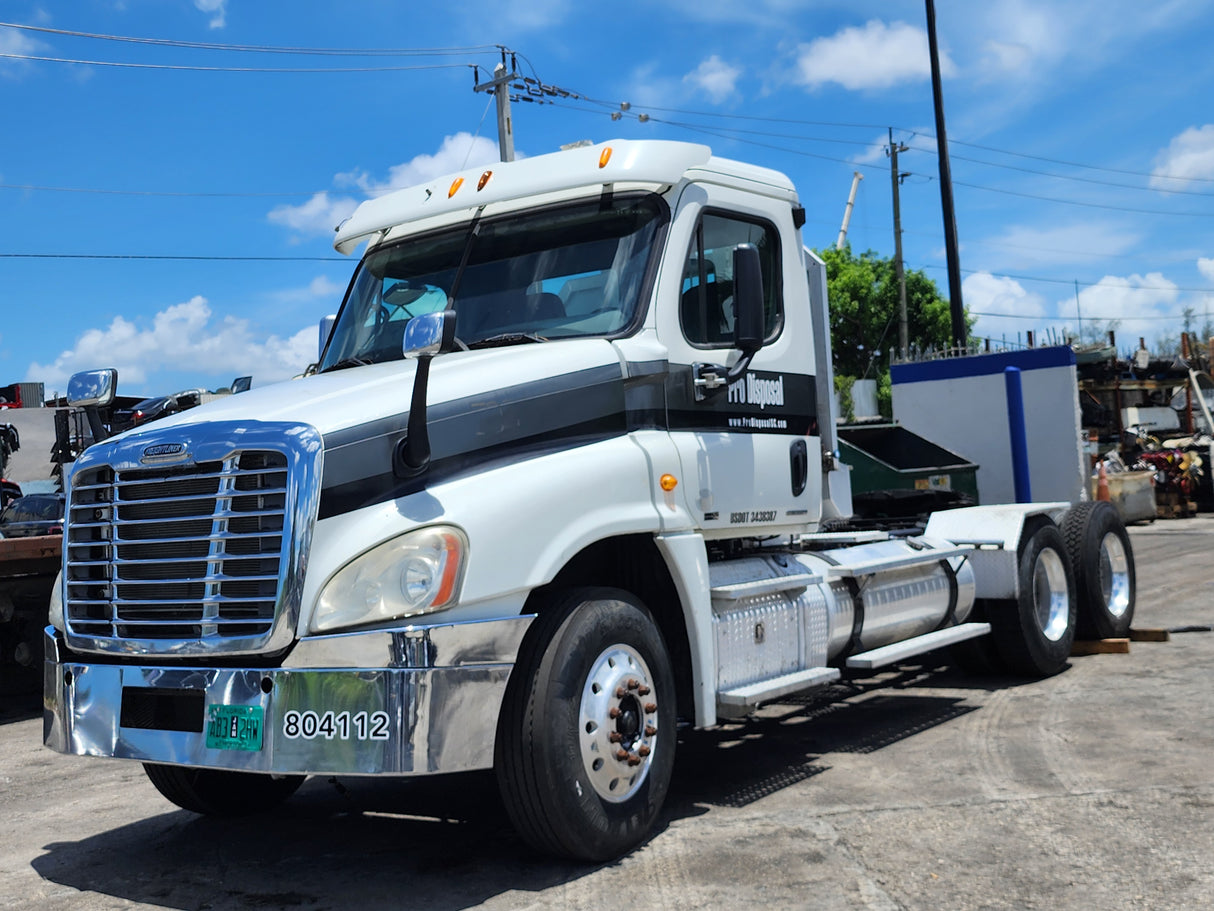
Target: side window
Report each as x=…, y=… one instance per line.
x=706, y=309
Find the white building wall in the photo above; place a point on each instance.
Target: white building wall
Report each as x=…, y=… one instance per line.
x=961, y=404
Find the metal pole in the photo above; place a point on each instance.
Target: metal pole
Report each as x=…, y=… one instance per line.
x=1019, y=438
x=505, y=126
x=499, y=85
x=956, y=308
x=856, y=177
x=895, y=177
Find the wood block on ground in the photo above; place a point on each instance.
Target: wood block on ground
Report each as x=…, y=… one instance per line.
x=1150, y=635
x=1102, y=647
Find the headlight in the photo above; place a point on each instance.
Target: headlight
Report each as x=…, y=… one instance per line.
x=417, y=573
x=55, y=614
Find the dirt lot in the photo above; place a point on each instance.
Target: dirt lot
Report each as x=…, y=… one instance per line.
x=1093, y=789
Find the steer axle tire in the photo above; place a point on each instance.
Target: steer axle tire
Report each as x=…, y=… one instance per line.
x=586, y=736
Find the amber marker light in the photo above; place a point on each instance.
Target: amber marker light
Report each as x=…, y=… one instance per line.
x=668, y=482
x=480, y=184
x=604, y=157
x=455, y=185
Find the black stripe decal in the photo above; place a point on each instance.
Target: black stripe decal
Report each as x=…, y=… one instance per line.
x=538, y=418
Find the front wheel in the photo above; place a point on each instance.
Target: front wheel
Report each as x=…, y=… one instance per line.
x=213, y=792
x=586, y=737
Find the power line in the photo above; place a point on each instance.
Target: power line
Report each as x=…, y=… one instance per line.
x=1068, y=319
x=1075, y=177
x=262, y=48
x=239, y=69
x=176, y=258
x=1076, y=202
x=1070, y=281
x=169, y=193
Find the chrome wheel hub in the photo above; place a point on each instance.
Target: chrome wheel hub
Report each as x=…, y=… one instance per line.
x=1114, y=575
x=1050, y=599
x=618, y=723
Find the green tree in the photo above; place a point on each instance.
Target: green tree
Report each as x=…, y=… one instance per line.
x=864, y=311
x=863, y=293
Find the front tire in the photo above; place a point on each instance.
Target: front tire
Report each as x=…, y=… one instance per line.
x=586, y=738
x=213, y=792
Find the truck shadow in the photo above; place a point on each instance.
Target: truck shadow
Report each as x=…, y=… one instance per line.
x=446, y=843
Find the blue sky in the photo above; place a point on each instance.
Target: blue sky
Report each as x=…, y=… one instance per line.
x=1081, y=134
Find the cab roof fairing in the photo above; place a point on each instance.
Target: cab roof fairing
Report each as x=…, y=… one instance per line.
x=650, y=161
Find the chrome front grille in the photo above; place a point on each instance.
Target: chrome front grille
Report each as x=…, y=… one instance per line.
x=184, y=558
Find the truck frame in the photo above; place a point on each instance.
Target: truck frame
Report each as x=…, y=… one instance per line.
x=563, y=479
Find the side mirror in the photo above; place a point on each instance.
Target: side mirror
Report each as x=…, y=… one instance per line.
x=326, y=329
x=242, y=384
x=429, y=334
x=750, y=322
x=92, y=387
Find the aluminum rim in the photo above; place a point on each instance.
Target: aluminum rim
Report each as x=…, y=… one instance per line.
x=618, y=723
x=1050, y=599
x=1114, y=575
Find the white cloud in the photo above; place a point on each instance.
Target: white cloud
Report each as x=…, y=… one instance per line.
x=872, y=56
x=715, y=78
x=1081, y=242
x=1003, y=303
x=17, y=42
x=1205, y=266
x=463, y=150
x=319, y=215
x=182, y=337
x=1136, y=302
x=1189, y=156
x=321, y=288
x=324, y=212
x=217, y=9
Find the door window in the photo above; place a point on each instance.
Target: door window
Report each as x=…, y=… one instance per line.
x=706, y=308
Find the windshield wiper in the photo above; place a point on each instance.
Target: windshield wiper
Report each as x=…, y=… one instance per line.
x=506, y=338
x=348, y=362
x=473, y=230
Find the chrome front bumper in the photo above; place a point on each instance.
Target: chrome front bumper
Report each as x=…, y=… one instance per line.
x=406, y=702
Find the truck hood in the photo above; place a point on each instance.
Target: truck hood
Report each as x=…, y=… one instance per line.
x=358, y=396
x=482, y=406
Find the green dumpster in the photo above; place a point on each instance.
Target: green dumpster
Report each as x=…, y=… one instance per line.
x=890, y=457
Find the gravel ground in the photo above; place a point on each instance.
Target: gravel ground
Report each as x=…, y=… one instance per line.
x=926, y=790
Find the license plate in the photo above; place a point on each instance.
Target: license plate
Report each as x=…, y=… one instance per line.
x=234, y=727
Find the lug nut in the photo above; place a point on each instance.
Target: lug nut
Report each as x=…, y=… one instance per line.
x=613, y=712
x=650, y=707
x=621, y=755
x=643, y=750
x=633, y=683
x=650, y=730
x=615, y=737
x=620, y=692
x=643, y=691
x=634, y=759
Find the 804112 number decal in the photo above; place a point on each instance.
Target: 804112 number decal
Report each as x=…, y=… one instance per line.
x=340, y=725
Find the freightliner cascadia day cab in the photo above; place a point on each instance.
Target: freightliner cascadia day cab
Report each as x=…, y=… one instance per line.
x=558, y=484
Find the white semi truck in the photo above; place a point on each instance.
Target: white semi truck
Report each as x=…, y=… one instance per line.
x=560, y=482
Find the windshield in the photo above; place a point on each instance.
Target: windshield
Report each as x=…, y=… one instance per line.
x=565, y=272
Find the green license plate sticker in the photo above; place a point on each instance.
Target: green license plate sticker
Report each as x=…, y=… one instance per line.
x=235, y=727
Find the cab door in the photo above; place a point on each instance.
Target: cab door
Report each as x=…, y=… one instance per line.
x=750, y=452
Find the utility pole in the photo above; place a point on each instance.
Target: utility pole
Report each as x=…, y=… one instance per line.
x=956, y=309
x=499, y=87
x=896, y=179
x=856, y=177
